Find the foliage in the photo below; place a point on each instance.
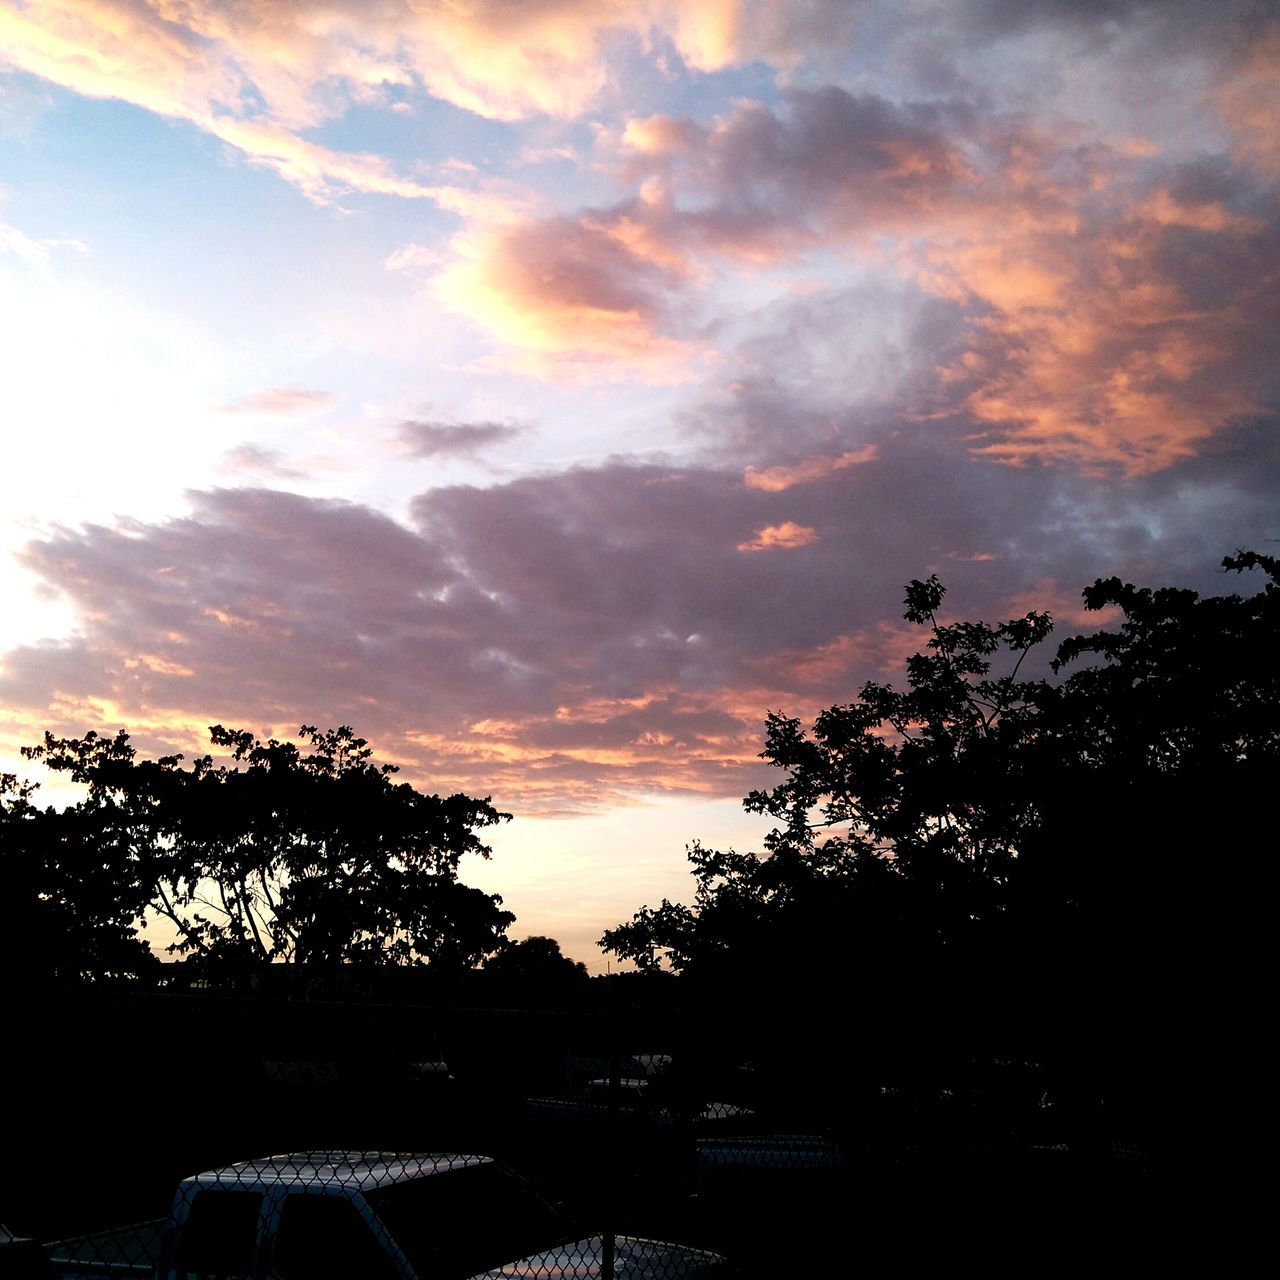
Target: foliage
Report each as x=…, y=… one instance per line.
x=70, y=907
x=536, y=958
x=535, y=972
x=312, y=856
x=890, y=790
x=973, y=814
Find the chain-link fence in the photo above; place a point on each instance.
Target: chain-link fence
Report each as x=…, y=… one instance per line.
x=344, y=1215
x=591, y=1146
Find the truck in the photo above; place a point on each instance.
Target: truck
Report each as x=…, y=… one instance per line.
x=349, y=1215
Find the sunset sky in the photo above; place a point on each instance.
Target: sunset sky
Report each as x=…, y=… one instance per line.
x=549, y=388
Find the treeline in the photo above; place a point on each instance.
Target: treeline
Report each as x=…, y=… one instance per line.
x=309, y=856
x=980, y=855
x=988, y=866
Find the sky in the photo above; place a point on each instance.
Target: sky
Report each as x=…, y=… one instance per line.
x=550, y=388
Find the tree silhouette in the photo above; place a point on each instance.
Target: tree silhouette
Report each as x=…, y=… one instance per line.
x=1070, y=863
x=893, y=791
x=311, y=856
x=70, y=906
x=535, y=971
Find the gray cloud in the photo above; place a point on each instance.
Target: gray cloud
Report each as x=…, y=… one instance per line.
x=780, y=181
x=565, y=640
x=253, y=460
x=454, y=439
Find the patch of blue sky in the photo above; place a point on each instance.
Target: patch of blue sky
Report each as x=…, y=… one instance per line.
x=659, y=83
x=706, y=96
x=89, y=132
x=172, y=216
x=24, y=101
x=423, y=137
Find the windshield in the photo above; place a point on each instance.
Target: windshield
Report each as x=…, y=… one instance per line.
x=453, y=1224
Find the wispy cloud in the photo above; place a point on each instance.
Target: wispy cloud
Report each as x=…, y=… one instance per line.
x=258, y=77
x=454, y=439
x=779, y=479
x=263, y=464
x=279, y=401
x=34, y=252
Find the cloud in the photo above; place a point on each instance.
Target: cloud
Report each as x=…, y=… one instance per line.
x=787, y=536
x=1084, y=273
x=279, y=401
x=585, y=295
x=779, y=479
x=1112, y=343
x=622, y=290
x=570, y=640
x=253, y=460
x=454, y=439
x=1248, y=99
x=34, y=253
x=257, y=76
x=763, y=184
x=949, y=327
x=1054, y=236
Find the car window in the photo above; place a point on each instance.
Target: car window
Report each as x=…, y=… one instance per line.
x=325, y=1238
x=453, y=1224
x=217, y=1239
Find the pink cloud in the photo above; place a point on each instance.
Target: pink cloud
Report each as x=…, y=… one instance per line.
x=278, y=400
x=787, y=536
x=570, y=640
x=256, y=76
x=1096, y=333
x=779, y=479
x=1248, y=99
x=573, y=295
x=253, y=460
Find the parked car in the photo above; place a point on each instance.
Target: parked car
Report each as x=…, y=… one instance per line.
x=367, y=1216
x=22, y=1258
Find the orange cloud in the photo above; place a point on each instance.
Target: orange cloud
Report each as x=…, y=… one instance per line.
x=576, y=297
x=1090, y=338
x=256, y=74
x=659, y=135
x=787, y=536
x=1249, y=103
x=779, y=479
x=882, y=648
x=598, y=751
x=1209, y=215
x=1088, y=347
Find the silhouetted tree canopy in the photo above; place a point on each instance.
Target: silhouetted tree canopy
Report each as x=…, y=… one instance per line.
x=1080, y=845
x=312, y=855
x=537, y=958
x=70, y=906
x=535, y=971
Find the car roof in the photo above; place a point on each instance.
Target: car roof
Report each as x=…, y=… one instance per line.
x=362, y=1170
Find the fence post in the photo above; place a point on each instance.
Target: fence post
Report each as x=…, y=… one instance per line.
x=608, y=1245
